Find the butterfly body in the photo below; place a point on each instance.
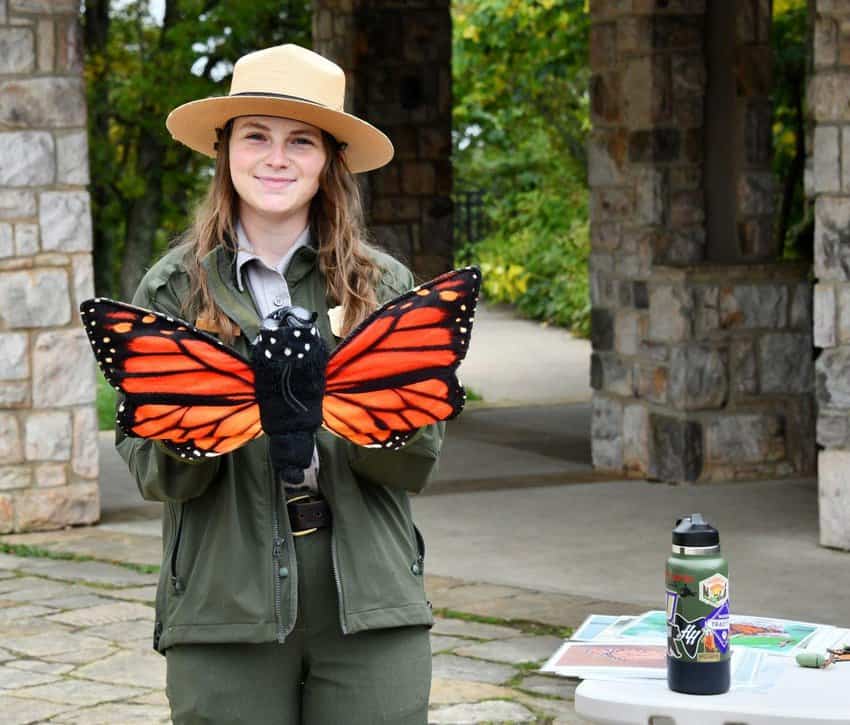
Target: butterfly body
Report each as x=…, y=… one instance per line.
x=393, y=374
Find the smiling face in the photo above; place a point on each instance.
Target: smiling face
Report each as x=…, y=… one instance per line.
x=275, y=165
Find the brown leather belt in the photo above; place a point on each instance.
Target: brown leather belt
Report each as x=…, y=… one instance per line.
x=307, y=514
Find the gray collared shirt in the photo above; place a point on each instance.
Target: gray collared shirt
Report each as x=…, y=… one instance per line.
x=269, y=291
x=266, y=284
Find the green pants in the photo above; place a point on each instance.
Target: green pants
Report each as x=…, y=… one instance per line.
x=317, y=677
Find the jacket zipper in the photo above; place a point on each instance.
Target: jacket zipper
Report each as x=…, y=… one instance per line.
x=277, y=543
x=335, y=567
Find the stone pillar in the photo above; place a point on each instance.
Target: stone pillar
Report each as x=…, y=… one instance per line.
x=829, y=106
x=48, y=426
x=701, y=361
x=397, y=58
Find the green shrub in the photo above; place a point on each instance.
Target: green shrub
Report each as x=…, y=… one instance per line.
x=520, y=124
x=536, y=257
x=106, y=397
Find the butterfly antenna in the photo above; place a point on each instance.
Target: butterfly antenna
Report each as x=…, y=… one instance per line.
x=287, y=389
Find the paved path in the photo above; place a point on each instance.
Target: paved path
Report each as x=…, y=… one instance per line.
x=75, y=639
x=513, y=361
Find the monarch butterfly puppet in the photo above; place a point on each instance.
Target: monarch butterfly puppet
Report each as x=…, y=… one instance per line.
x=394, y=373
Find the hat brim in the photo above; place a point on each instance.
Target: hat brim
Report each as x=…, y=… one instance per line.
x=194, y=125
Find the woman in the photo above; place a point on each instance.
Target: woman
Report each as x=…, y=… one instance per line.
x=263, y=618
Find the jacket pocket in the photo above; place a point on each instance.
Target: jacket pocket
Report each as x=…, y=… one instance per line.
x=420, y=542
x=417, y=567
x=178, y=586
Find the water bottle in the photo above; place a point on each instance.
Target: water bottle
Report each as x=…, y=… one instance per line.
x=697, y=579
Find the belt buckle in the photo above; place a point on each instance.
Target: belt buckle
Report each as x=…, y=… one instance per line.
x=293, y=500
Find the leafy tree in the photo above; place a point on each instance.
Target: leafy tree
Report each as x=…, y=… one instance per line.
x=790, y=41
x=137, y=69
x=520, y=70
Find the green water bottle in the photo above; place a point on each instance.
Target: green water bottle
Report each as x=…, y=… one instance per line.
x=697, y=579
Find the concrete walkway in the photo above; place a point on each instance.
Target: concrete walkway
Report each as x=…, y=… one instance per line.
x=75, y=639
x=512, y=361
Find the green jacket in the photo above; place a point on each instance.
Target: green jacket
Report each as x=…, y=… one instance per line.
x=229, y=573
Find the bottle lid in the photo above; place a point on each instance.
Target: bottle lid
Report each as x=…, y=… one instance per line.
x=693, y=531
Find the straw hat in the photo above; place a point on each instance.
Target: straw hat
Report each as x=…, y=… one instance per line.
x=291, y=82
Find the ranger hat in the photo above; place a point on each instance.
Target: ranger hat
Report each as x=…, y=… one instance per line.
x=291, y=82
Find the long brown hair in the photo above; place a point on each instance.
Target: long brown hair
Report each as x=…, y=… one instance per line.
x=336, y=226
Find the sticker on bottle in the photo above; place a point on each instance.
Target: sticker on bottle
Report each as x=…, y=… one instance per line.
x=716, y=638
x=672, y=599
x=685, y=636
x=714, y=590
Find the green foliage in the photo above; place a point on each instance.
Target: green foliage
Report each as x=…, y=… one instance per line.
x=520, y=124
x=789, y=39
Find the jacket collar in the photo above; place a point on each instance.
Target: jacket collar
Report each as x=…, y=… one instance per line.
x=221, y=270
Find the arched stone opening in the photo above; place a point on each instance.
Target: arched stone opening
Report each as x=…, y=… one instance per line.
x=703, y=364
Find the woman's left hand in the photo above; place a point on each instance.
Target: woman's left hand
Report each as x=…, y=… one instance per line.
x=289, y=368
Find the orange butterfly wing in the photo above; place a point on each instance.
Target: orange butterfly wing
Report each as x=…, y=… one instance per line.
x=182, y=386
x=396, y=371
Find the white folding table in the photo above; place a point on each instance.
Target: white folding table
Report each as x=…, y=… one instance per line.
x=800, y=696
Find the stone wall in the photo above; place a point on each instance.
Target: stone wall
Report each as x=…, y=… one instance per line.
x=397, y=58
x=702, y=352
x=828, y=103
x=48, y=426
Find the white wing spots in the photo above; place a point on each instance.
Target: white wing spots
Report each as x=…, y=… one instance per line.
x=300, y=355
x=463, y=308
x=106, y=340
x=91, y=309
x=109, y=360
x=220, y=342
x=112, y=350
x=287, y=351
x=170, y=319
x=463, y=329
x=314, y=332
x=273, y=340
x=121, y=407
x=196, y=453
x=210, y=454
x=92, y=323
x=268, y=354
x=457, y=319
x=307, y=346
x=296, y=333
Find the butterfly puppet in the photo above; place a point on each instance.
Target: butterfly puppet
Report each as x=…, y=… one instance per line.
x=394, y=373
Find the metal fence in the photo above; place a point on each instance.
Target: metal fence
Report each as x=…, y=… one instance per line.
x=470, y=220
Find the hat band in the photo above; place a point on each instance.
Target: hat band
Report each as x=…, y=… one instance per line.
x=280, y=95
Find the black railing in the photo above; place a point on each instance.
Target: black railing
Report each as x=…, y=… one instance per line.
x=470, y=221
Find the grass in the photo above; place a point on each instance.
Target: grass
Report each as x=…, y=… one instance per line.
x=36, y=552
x=106, y=397
x=524, y=625
x=471, y=394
